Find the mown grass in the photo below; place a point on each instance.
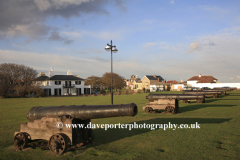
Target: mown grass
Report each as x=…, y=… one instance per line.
x=218, y=137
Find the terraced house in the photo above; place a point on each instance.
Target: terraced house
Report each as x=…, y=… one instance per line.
x=58, y=85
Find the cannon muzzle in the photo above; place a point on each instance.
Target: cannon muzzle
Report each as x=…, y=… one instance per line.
x=83, y=112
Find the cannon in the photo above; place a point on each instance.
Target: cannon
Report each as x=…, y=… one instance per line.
x=213, y=94
x=66, y=126
x=226, y=89
x=199, y=98
x=221, y=90
x=169, y=103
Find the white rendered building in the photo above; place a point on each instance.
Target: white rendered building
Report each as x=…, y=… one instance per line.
x=57, y=85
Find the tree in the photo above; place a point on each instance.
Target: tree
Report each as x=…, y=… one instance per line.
x=94, y=81
x=12, y=75
x=118, y=81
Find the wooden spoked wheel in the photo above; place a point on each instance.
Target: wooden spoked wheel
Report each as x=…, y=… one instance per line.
x=20, y=140
x=58, y=143
x=169, y=109
x=148, y=110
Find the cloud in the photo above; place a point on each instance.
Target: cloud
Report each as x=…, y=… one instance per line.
x=29, y=17
x=55, y=36
x=92, y=66
x=214, y=9
x=76, y=35
x=238, y=77
x=164, y=45
x=57, y=4
x=172, y=2
x=146, y=45
x=193, y=47
x=106, y=35
x=211, y=44
x=231, y=78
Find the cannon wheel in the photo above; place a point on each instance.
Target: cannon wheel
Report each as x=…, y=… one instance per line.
x=169, y=109
x=20, y=140
x=148, y=110
x=58, y=143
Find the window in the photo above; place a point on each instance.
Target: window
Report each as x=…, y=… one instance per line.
x=57, y=82
x=57, y=92
x=77, y=82
x=78, y=91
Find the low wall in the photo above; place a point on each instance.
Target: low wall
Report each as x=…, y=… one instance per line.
x=216, y=85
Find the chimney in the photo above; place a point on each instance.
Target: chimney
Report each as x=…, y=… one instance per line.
x=154, y=75
x=69, y=72
x=42, y=73
x=200, y=75
x=51, y=72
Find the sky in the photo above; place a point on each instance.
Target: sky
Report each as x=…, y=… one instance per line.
x=171, y=38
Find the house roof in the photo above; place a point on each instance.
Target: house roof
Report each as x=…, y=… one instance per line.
x=58, y=77
x=205, y=80
x=138, y=81
x=150, y=77
x=172, y=82
x=41, y=78
x=65, y=77
x=197, y=78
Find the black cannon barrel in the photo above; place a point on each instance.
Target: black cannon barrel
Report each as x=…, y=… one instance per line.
x=152, y=97
x=83, y=112
x=226, y=89
x=203, y=92
x=221, y=90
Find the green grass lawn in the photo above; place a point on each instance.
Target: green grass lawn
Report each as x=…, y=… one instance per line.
x=217, y=138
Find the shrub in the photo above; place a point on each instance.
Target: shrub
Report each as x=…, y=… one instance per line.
x=102, y=91
x=143, y=90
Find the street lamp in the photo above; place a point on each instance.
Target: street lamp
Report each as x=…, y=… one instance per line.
x=114, y=50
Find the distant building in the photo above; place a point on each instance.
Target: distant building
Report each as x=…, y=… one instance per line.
x=172, y=82
x=130, y=82
x=201, y=79
x=137, y=84
x=149, y=82
x=58, y=85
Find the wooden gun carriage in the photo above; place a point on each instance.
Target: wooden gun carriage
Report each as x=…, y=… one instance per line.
x=55, y=123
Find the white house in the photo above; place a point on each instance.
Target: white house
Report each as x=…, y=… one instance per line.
x=62, y=84
x=201, y=79
x=209, y=81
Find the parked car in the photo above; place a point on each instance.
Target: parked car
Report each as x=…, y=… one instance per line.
x=196, y=88
x=187, y=88
x=96, y=92
x=206, y=88
x=225, y=87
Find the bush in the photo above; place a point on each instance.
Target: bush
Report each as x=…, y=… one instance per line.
x=139, y=91
x=143, y=90
x=102, y=91
x=39, y=91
